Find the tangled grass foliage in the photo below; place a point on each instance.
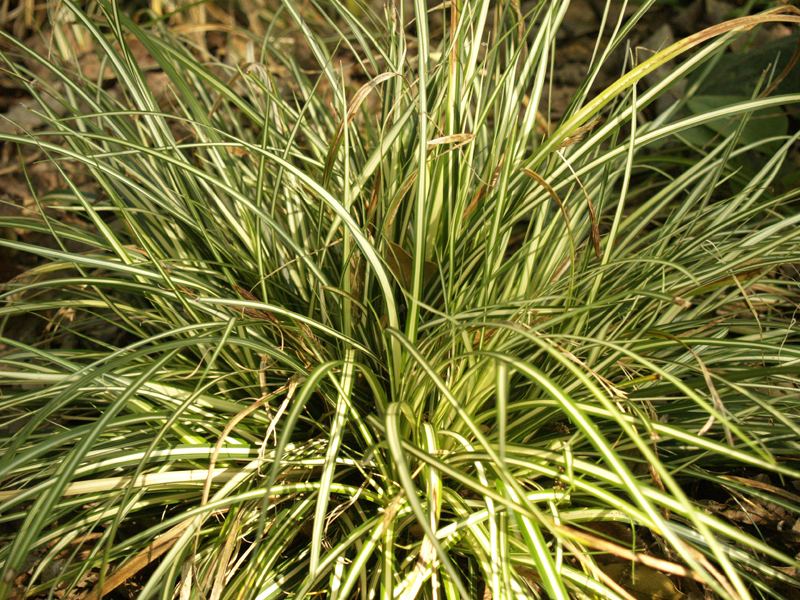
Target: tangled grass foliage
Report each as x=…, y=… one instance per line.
x=409, y=346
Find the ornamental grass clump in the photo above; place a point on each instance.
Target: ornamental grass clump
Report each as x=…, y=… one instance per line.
x=399, y=339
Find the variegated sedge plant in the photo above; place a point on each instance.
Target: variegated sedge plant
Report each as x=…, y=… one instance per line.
x=397, y=340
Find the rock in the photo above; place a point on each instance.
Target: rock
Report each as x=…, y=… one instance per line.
x=717, y=11
x=662, y=38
